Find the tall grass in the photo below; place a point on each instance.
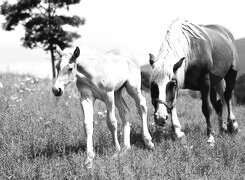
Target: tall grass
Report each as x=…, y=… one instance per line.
x=42, y=137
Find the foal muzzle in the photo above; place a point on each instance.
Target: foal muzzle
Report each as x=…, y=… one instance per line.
x=159, y=120
x=57, y=91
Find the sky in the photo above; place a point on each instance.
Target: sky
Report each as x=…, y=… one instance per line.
x=135, y=25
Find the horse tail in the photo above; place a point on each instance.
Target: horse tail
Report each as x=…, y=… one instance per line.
x=125, y=104
x=120, y=101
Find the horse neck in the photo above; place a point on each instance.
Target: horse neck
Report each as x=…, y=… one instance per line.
x=180, y=75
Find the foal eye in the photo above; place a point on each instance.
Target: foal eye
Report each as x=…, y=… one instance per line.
x=70, y=69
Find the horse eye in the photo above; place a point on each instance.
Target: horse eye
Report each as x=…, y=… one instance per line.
x=174, y=83
x=70, y=69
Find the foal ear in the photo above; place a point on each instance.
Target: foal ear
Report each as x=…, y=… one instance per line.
x=75, y=55
x=178, y=64
x=59, y=50
x=152, y=60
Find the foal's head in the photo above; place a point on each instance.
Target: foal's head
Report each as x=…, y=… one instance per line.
x=66, y=68
x=164, y=90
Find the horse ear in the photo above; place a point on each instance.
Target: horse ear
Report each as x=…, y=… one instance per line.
x=76, y=52
x=152, y=60
x=178, y=64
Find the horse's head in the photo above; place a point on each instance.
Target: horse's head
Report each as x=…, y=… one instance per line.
x=164, y=92
x=66, y=68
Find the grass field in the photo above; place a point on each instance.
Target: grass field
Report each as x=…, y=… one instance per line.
x=42, y=137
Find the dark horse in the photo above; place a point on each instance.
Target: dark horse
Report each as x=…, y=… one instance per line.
x=201, y=58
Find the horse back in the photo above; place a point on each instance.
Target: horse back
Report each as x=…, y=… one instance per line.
x=109, y=71
x=224, y=53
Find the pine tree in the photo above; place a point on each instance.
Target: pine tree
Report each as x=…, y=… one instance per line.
x=44, y=27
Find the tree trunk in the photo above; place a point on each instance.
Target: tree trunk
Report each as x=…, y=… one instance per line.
x=50, y=40
x=53, y=61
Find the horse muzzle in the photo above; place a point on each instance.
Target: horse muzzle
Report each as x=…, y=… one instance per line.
x=160, y=120
x=57, y=91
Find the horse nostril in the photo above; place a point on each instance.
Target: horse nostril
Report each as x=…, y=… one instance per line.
x=157, y=116
x=57, y=91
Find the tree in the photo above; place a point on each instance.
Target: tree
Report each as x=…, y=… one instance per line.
x=44, y=27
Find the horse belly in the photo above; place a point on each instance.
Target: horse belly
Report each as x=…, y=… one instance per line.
x=222, y=62
x=114, y=77
x=108, y=84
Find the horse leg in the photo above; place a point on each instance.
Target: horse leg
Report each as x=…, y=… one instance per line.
x=206, y=108
x=230, y=79
x=87, y=108
x=218, y=105
x=123, y=113
x=111, y=118
x=135, y=93
x=176, y=124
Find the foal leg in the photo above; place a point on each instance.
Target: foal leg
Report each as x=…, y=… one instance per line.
x=230, y=79
x=135, y=93
x=111, y=118
x=87, y=108
x=123, y=113
x=207, y=109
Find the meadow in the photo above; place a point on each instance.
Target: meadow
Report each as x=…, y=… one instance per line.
x=42, y=137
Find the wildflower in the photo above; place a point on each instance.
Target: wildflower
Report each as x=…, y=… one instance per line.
x=47, y=124
x=27, y=89
x=13, y=97
x=18, y=100
x=28, y=79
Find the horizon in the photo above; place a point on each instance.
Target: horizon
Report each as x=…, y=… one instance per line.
x=138, y=26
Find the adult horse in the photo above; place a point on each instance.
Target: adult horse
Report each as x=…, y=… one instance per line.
x=103, y=77
x=201, y=58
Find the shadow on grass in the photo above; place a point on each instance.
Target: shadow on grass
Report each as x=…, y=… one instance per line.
x=159, y=134
x=57, y=149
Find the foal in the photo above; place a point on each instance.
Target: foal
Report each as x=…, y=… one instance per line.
x=103, y=77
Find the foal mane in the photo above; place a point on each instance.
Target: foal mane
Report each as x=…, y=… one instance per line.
x=176, y=44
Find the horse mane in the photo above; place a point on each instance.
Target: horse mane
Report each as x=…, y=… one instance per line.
x=176, y=44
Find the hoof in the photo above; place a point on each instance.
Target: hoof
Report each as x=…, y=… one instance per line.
x=183, y=141
x=211, y=141
x=116, y=155
x=180, y=134
x=89, y=161
x=88, y=164
x=223, y=129
x=125, y=149
x=149, y=144
x=232, y=127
